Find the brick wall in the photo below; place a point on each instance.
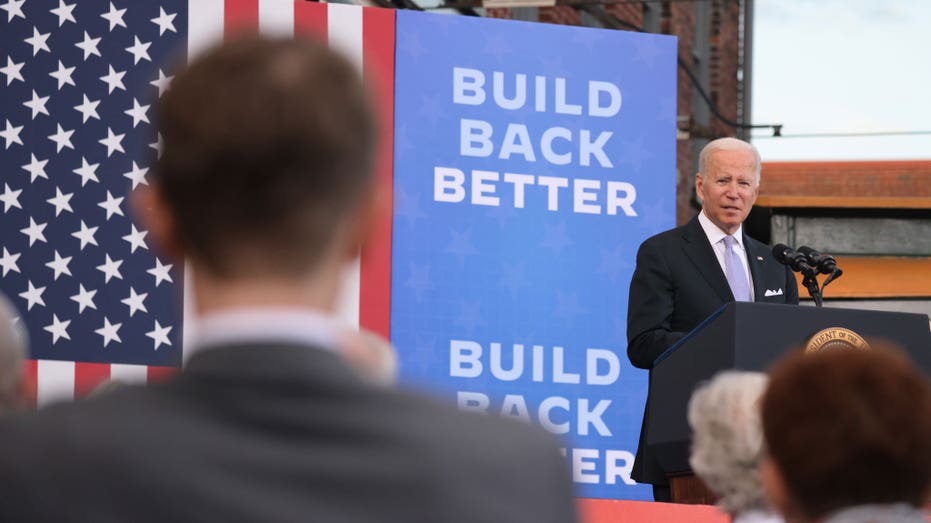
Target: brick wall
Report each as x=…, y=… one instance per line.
x=902, y=179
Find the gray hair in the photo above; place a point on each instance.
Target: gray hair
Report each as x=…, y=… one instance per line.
x=727, y=438
x=13, y=349
x=728, y=144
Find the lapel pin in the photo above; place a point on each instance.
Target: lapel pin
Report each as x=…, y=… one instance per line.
x=759, y=258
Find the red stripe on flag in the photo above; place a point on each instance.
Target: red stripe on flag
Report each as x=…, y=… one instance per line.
x=310, y=18
x=240, y=16
x=156, y=374
x=87, y=376
x=378, y=30
x=30, y=382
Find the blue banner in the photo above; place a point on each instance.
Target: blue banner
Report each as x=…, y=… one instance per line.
x=530, y=162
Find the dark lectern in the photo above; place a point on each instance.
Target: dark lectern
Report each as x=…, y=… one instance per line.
x=751, y=336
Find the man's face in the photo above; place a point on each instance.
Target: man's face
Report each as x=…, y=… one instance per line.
x=729, y=189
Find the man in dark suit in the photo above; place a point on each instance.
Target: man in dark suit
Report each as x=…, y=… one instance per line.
x=685, y=274
x=265, y=188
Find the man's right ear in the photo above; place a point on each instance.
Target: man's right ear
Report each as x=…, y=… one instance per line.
x=152, y=214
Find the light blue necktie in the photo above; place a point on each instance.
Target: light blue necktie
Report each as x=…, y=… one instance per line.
x=736, y=275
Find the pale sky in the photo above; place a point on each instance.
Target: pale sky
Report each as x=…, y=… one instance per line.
x=829, y=66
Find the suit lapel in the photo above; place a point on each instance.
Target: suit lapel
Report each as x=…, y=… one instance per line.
x=698, y=250
x=757, y=256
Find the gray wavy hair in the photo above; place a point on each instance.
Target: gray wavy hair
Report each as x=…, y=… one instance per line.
x=728, y=144
x=727, y=438
x=13, y=348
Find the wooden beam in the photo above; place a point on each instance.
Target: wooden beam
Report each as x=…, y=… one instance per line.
x=879, y=277
x=845, y=202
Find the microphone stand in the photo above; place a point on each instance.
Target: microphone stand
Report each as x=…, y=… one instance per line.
x=811, y=283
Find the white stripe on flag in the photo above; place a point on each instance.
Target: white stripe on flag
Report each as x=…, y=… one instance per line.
x=205, y=25
x=276, y=17
x=129, y=373
x=55, y=382
x=344, y=30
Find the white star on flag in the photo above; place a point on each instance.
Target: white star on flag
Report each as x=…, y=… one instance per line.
x=114, y=142
x=114, y=80
x=87, y=171
x=62, y=139
x=38, y=41
x=161, y=272
x=111, y=269
x=114, y=16
x=37, y=104
x=109, y=331
x=159, y=335
x=34, y=231
x=63, y=75
x=139, y=50
x=11, y=135
x=10, y=198
x=86, y=235
x=59, y=265
x=61, y=201
x=137, y=175
x=8, y=262
x=35, y=168
x=135, y=302
x=64, y=13
x=33, y=296
x=12, y=71
x=164, y=21
x=162, y=82
x=84, y=298
x=13, y=8
x=59, y=329
x=112, y=205
x=89, y=46
x=136, y=239
x=88, y=109
x=138, y=113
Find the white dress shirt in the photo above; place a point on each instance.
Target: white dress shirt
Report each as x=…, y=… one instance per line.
x=716, y=239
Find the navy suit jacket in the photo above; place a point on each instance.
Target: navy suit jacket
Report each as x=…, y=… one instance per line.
x=276, y=433
x=677, y=283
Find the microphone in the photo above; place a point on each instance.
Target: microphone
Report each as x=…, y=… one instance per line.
x=825, y=263
x=796, y=261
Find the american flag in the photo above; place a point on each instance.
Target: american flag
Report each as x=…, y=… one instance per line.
x=78, y=84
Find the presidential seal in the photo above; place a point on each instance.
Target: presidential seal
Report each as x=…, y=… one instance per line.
x=835, y=338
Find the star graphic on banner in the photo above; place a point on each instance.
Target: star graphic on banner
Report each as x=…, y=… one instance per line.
x=589, y=39
x=162, y=82
x=138, y=113
x=112, y=205
x=612, y=263
x=63, y=75
x=89, y=46
x=503, y=214
x=137, y=175
x=37, y=104
x=431, y=110
x=62, y=139
x=109, y=331
x=86, y=235
x=114, y=142
x=88, y=109
x=13, y=9
x=139, y=50
x=408, y=206
x=160, y=272
x=667, y=110
x=11, y=134
x=8, y=262
x=410, y=43
x=136, y=239
x=497, y=45
x=59, y=265
x=461, y=245
x=33, y=296
x=59, y=329
x=35, y=168
x=656, y=217
x=159, y=335
x=164, y=21
x=38, y=41
x=419, y=280
x=64, y=13
x=469, y=317
x=87, y=171
x=111, y=269
x=568, y=307
x=10, y=198
x=114, y=16
x=424, y=354
x=634, y=153
x=555, y=238
x=513, y=277
x=646, y=50
x=12, y=71
x=135, y=302
x=34, y=231
x=61, y=201
x=114, y=80
x=84, y=298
